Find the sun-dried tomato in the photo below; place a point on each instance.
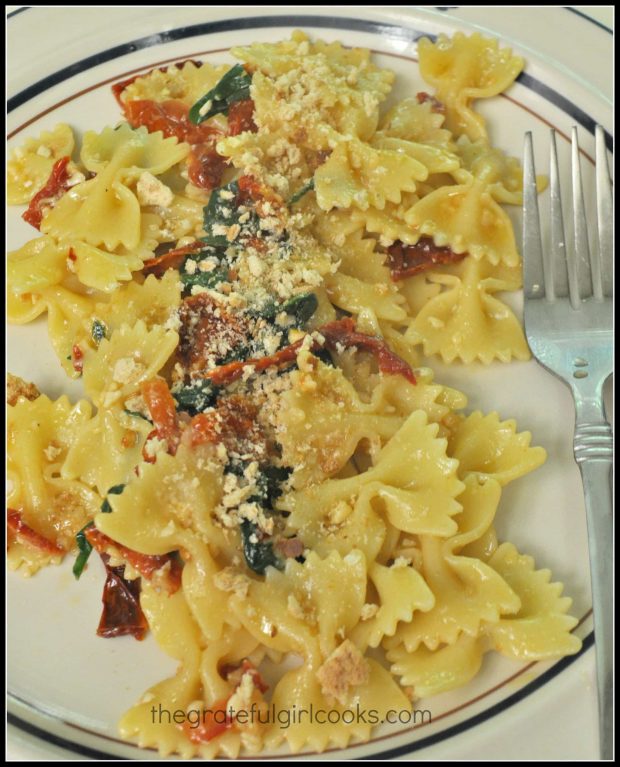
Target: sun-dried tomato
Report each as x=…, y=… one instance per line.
x=55, y=187
x=217, y=718
x=234, y=423
x=162, y=409
x=25, y=534
x=213, y=722
x=339, y=332
x=146, y=564
x=343, y=332
x=208, y=333
x=206, y=166
x=241, y=117
x=173, y=259
x=409, y=260
x=122, y=614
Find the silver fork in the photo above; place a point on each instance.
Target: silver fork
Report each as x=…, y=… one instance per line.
x=568, y=324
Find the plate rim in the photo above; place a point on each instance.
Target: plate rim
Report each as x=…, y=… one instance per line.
x=406, y=748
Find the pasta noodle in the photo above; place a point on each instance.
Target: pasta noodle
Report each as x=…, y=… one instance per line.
x=251, y=274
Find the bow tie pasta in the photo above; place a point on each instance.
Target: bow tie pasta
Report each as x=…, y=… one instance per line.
x=251, y=274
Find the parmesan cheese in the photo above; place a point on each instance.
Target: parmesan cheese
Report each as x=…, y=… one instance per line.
x=229, y=579
x=151, y=191
x=127, y=370
x=52, y=451
x=241, y=699
x=368, y=611
x=16, y=387
x=346, y=667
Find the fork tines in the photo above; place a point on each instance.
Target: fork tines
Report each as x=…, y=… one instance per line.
x=605, y=213
x=558, y=271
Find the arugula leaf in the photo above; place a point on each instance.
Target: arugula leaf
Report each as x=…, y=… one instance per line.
x=268, y=481
x=266, y=310
x=268, y=485
x=222, y=211
x=307, y=187
x=196, y=397
x=205, y=279
x=114, y=490
x=238, y=354
x=259, y=555
x=234, y=86
x=301, y=308
x=84, y=548
x=98, y=331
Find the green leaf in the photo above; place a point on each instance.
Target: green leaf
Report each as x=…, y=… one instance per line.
x=307, y=187
x=266, y=310
x=114, y=490
x=222, y=212
x=234, y=86
x=301, y=308
x=205, y=279
x=259, y=555
x=268, y=485
x=196, y=397
x=84, y=548
x=238, y=354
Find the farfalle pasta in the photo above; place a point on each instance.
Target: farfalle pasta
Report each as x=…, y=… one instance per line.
x=463, y=69
x=252, y=273
x=30, y=165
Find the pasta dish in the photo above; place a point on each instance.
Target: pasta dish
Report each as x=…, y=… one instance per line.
x=250, y=273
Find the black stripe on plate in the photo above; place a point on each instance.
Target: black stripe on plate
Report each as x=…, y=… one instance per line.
x=74, y=747
x=19, y=10
x=565, y=7
x=564, y=104
x=599, y=24
x=210, y=28
x=356, y=25
x=409, y=748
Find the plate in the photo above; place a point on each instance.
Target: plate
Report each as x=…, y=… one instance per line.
x=68, y=687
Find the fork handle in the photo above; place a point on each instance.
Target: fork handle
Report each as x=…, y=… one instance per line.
x=593, y=445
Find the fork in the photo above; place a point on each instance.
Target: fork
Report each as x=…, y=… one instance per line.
x=568, y=325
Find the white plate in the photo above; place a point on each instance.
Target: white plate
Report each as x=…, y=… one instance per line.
x=68, y=687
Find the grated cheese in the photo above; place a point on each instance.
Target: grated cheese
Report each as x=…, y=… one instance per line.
x=151, y=191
